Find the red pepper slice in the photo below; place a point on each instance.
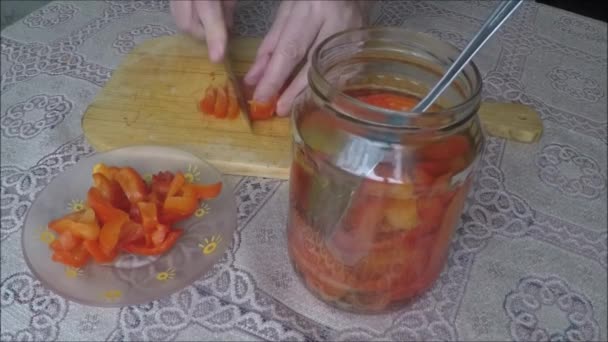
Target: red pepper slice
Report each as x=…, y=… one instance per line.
x=169, y=241
x=221, y=103
x=108, y=171
x=77, y=258
x=177, y=208
x=111, y=191
x=110, y=233
x=446, y=148
x=203, y=191
x=261, y=110
x=93, y=247
x=160, y=185
x=132, y=184
x=233, y=104
x=68, y=241
x=176, y=184
x=130, y=232
x=79, y=224
x=149, y=215
x=159, y=235
x=103, y=209
x=207, y=104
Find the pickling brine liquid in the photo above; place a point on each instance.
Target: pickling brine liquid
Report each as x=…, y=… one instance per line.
x=388, y=234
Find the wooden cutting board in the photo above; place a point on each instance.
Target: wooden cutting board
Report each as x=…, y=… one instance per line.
x=152, y=98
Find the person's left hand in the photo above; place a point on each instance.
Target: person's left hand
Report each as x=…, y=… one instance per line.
x=298, y=28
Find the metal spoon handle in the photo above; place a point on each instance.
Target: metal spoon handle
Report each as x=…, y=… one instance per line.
x=502, y=12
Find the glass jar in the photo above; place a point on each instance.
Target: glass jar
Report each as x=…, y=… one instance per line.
x=376, y=192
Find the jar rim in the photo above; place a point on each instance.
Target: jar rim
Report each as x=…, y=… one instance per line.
x=400, y=119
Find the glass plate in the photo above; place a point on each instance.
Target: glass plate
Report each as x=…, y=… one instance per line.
x=130, y=279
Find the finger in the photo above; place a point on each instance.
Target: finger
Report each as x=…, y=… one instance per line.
x=210, y=14
x=257, y=70
x=272, y=37
x=182, y=12
x=291, y=48
x=301, y=80
x=229, y=8
x=288, y=97
x=269, y=43
x=196, y=28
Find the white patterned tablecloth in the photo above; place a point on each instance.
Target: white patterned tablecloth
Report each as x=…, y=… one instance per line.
x=529, y=260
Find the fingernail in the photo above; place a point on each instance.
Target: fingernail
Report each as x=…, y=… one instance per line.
x=216, y=55
x=282, y=108
x=261, y=97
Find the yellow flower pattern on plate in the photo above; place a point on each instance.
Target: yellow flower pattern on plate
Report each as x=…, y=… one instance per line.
x=76, y=205
x=112, y=295
x=166, y=275
x=73, y=272
x=192, y=174
x=202, y=211
x=46, y=236
x=209, y=246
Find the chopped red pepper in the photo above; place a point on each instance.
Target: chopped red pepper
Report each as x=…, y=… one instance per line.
x=262, y=110
x=132, y=216
x=103, y=209
x=233, y=104
x=110, y=233
x=169, y=241
x=202, y=191
x=176, y=184
x=111, y=191
x=221, y=103
x=132, y=184
x=94, y=248
x=208, y=102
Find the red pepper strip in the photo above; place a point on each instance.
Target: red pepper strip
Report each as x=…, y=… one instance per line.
x=207, y=104
x=93, y=247
x=169, y=241
x=56, y=245
x=178, y=208
x=130, y=232
x=77, y=258
x=221, y=103
x=103, y=209
x=68, y=241
x=233, y=104
x=176, y=184
x=108, y=172
x=149, y=216
x=73, y=224
x=447, y=148
x=159, y=235
x=203, y=191
x=160, y=186
x=110, y=233
x=132, y=184
x=111, y=191
x=262, y=110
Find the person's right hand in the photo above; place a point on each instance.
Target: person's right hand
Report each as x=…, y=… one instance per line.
x=208, y=20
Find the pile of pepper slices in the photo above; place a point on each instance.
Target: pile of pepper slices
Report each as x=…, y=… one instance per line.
x=125, y=214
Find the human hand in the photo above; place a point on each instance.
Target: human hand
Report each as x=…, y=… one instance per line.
x=298, y=28
x=208, y=20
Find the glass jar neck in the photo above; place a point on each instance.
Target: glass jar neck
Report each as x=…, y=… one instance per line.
x=394, y=60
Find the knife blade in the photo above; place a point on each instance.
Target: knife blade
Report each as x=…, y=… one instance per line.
x=238, y=91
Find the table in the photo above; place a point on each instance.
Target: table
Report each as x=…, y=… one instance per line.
x=528, y=261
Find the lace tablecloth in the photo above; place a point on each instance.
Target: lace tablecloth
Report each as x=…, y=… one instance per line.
x=529, y=260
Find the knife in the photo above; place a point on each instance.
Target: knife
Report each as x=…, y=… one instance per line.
x=238, y=91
